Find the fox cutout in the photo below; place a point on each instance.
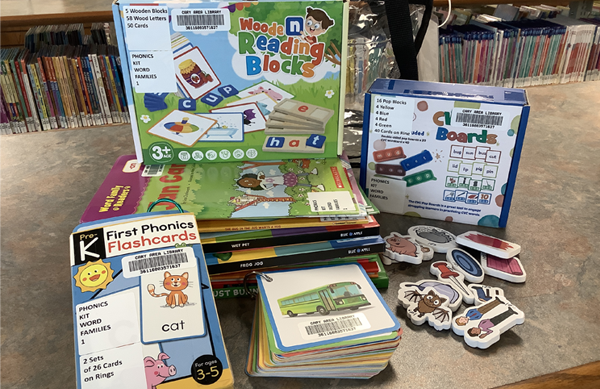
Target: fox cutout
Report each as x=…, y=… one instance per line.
x=174, y=284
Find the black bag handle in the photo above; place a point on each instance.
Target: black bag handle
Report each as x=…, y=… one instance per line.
x=400, y=25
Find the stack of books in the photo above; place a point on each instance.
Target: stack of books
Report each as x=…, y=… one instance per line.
x=252, y=215
x=322, y=322
x=62, y=78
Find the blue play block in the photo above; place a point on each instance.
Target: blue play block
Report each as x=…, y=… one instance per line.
x=316, y=141
x=187, y=105
x=211, y=99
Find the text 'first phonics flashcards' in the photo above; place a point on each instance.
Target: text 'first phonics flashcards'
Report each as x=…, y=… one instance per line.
x=143, y=308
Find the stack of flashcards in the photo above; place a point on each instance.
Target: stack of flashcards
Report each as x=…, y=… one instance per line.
x=326, y=322
x=144, y=313
x=306, y=122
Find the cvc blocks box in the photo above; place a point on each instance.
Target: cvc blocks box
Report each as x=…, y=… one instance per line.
x=223, y=81
x=443, y=151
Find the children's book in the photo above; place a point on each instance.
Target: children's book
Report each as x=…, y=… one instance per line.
x=143, y=308
x=284, y=255
x=230, y=190
x=214, y=242
x=204, y=78
x=229, y=285
x=321, y=322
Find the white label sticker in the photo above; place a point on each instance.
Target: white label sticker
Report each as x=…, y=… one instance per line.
x=147, y=28
x=388, y=194
x=116, y=368
x=479, y=118
x=200, y=19
x=158, y=261
x=107, y=322
x=152, y=71
x=330, y=201
x=153, y=170
x=332, y=327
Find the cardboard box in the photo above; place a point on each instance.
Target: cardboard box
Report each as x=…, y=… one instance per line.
x=204, y=78
x=443, y=151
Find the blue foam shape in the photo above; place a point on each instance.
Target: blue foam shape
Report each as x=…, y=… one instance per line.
x=416, y=160
x=211, y=99
x=187, y=105
x=228, y=91
x=467, y=263
x=316, y=141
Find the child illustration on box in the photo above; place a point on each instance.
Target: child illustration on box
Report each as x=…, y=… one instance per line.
x=316, y=22
x=261, y=181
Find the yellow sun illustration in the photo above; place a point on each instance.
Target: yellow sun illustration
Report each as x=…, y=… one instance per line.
x=93, y=276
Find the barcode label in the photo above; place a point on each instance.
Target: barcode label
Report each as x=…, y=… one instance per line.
x=158, y=261
x=153, y=170
x=334, y=327
x=479, y=118
x=201, y=20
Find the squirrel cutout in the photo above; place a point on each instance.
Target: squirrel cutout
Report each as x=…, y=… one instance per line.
x=174, y=284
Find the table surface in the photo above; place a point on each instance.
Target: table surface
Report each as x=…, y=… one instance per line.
x=49, y=178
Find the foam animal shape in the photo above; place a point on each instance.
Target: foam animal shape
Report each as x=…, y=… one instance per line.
x=426, y=306
x=399, y=248
x=442, y=288
x=482, y=326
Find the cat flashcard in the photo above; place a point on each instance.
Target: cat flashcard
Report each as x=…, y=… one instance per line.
x=464, y=263
x=481, y=326
x=399, y=248
x=442, y=288
x=171, y=303
x=445, y=271
x=510, y=269
x=194, y=75
x=182, y=127
x=484, y=293
x=426, y=305
x=488, y=244
x=254, y=120
x=440, y=240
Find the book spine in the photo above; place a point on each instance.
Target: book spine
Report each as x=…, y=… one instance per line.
x=31, y=122
x=38, y=68
x=293, y=259
x=118, y=88
x=107, y=87
x=64, y=92
x=31, y=100
x=113, y=87
x=5, y=128
x=100, y=87
x=93, y=93
x=19, y=117
x=84, y=91
x=287, y=240
x=51, y=76
x=38, y=97
x=76, y=85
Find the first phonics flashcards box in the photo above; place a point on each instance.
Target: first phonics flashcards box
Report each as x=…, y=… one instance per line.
x=218, y=81
x=443, y=151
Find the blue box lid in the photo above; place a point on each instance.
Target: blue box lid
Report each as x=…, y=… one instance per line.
x=440, y=90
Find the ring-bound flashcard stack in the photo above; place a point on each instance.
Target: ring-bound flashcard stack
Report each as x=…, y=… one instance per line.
x=296, y=126
x=325, y=322
x=459, y=280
